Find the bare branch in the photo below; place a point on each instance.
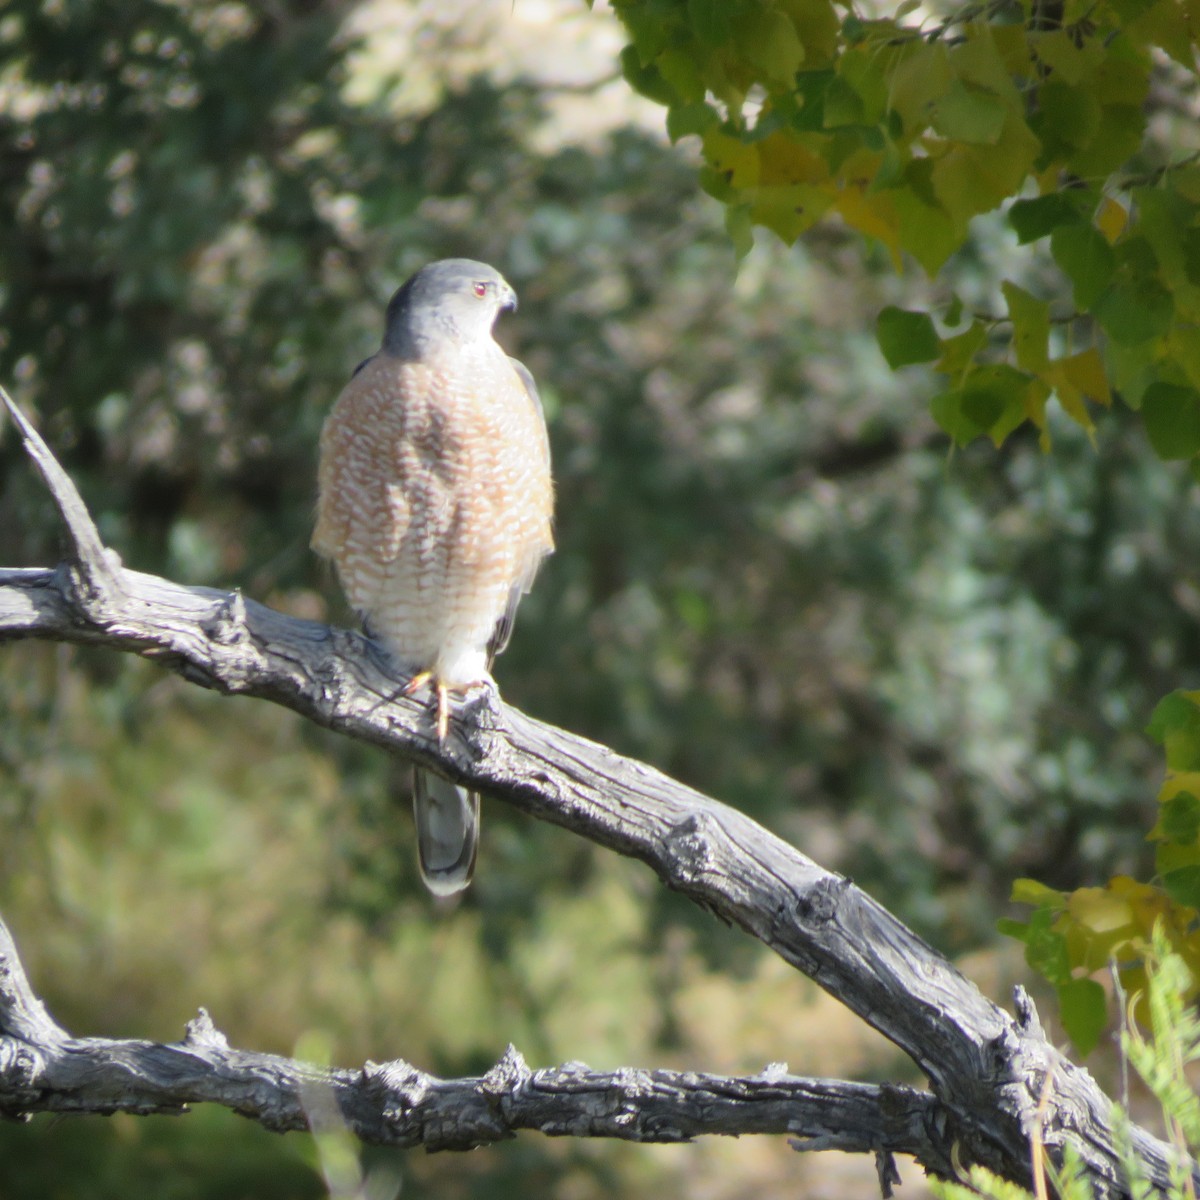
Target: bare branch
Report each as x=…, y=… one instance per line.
x=95, y=570
x=397, y=1104
x=986, y=1068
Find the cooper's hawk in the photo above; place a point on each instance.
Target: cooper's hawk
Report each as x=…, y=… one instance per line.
x=435, y=506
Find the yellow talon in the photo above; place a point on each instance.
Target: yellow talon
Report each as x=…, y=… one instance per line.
x=443, y=711
x=417, y=682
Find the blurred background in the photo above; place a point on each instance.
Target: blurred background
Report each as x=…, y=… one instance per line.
x=774, y=581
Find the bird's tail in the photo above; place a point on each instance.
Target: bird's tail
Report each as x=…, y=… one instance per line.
x=447, y=819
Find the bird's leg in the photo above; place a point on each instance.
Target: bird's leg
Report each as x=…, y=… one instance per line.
x=443, y=711
x=441, y=691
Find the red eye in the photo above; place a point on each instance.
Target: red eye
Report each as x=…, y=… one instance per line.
x=480, y=289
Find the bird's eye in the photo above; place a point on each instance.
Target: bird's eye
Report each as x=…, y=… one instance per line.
x=480, y=289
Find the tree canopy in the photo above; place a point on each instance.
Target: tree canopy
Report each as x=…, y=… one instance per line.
x=1076, y=118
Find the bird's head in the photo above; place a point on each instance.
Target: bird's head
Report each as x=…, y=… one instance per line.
x=453, y=298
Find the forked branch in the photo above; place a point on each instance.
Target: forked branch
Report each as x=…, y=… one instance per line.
x=986, y=1068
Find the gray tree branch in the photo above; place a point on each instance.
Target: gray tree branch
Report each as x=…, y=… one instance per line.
x=986, y=1067
x=44, y=1069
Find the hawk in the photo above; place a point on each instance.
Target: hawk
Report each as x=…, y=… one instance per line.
x=435, y=507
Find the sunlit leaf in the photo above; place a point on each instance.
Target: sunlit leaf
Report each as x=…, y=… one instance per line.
x=1031, y=891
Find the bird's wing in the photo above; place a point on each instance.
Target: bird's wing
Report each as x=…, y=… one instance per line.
x=504, y=627
x=362, y=507
x=531, y=390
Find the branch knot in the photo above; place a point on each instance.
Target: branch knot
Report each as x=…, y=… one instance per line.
x=507, y=1077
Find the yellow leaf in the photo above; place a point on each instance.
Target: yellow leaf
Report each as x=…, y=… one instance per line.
x=1147, y=903
x=1036, y=395
x=1030, y=891
x=818, y=26
x=1179, y=781
x=1086, y=372
x=783, y=159
x=1099, y=910
x=873, y=214
x=1072, y=402
x=732, y=157
x=1111, y=219
x=1078, y=377
x=788, y=211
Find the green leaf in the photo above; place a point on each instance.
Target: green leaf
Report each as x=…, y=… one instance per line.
x=1175, y=725
x=1086, y=259
x=906, y=337
x=1183, y=886
x=1190, y=254
x=709, y=20
x=1033, y=219
x=1084, y=1011
x=843, y=105
x=1030, y=891
x=991, y=400
x=1013, y=929
x=1046, y=948
x=1172, y=417
x=685, y=119
x=768, y=40
x=1067, y=119
x=1135, y=309
x=946, y=408
x=926, y=230
x=959, y=351
x=811, y=88
x=969, y=114
x=1179, y=819
x=1031, y=327
x=646, y=79
x=740, y=230
x=853, y=30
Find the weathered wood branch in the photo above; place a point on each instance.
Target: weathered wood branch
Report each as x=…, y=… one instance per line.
x=986, y=1067
x=44, y=1069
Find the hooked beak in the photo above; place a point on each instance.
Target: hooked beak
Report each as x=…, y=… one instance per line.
x=510, y=300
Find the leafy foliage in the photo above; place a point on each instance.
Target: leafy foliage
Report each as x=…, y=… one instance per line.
x=1072, y=935
x=909, y=130
x=1161, y=1059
